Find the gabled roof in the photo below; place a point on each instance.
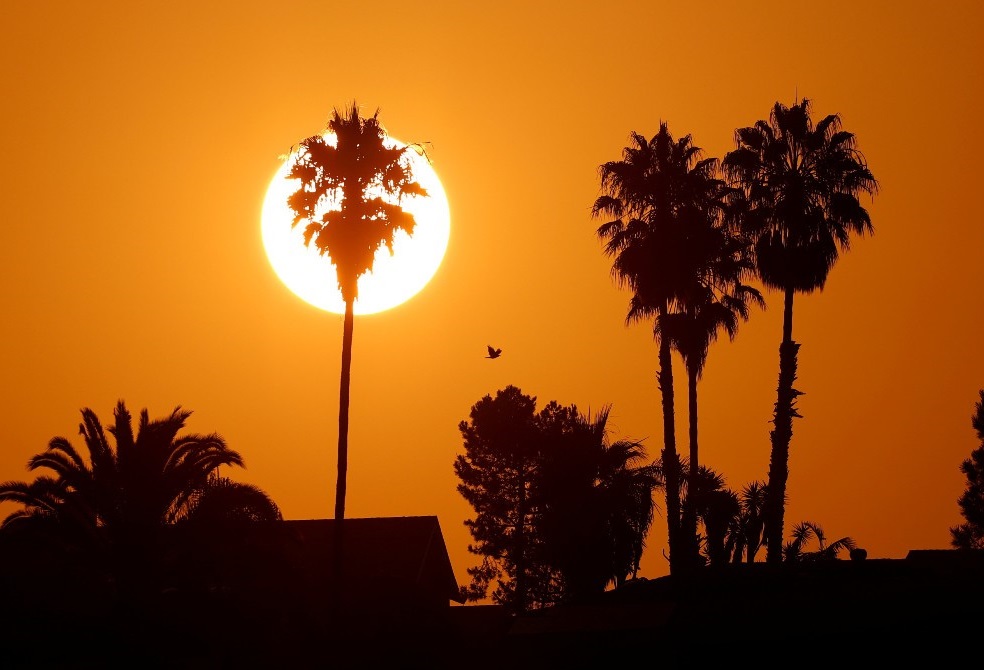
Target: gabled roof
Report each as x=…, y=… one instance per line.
x=382, y=553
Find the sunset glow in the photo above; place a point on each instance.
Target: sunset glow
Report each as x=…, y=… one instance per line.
x=395, y=277
x=148, y=246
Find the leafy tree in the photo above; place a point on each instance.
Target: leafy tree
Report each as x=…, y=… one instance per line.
x=801, y=185
x=349, y=180
x=970, y=534
x=115, y=504
x=497, y=473
x=560, y=511
x=658, y=198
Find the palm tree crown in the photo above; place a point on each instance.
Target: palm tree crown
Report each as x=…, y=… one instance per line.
x=658, y=196
x=150, y=479
x=802, y=184
x=348, y=181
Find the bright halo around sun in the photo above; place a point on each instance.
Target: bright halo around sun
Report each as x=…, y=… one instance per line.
x=394, y=278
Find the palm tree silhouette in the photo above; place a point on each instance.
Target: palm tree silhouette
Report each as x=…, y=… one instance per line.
x=716, y=506
x=348, y=181
x=795, y=550
x=117, y=501
x=747, y=532
x=596, y=498
x=660, y=196
x=801, y=185
x=721, y=258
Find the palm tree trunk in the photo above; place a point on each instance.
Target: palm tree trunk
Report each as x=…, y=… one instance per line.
x=343, y=420
x=670, y=458
x=343, y=410
x=689, y=530
x=781, y=435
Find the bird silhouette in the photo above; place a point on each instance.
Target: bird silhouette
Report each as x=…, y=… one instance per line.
x=494, y=353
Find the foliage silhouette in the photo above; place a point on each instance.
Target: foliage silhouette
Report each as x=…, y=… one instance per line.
x=747, y=534
x=101, y=531
x=596, y=501
x=561, y=511
x=970, y=533
x=800, y=184
x=803, y=532
x=721, y=261
x=497, y=473
x=684, y=268
x=734, y=528
x=716, y=507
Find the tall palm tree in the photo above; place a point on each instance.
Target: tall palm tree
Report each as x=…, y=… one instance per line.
x=349, y=180
x=116, y=502
x=658, y=196
x=722, y=261
x=801, y=184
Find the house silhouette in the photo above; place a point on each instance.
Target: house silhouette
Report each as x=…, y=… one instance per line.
x=260, y=595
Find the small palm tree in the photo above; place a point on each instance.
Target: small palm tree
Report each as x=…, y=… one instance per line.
x=716, y=507
x=795, y=550
x=116, y=502
x=596, y=501
x=747, y=534
x=656, y=196
x=801, y=184
x=348, y=181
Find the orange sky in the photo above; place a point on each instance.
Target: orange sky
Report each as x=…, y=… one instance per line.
x=137, y=148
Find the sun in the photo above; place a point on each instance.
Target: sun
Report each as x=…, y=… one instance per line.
x=394, y=278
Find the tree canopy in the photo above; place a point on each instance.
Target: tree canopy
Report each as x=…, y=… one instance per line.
x=970, y=533
x=560, y=511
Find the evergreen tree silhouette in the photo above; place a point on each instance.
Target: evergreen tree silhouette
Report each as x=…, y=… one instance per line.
x=970, y=534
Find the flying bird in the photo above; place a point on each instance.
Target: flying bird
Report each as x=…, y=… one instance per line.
x=494, y=353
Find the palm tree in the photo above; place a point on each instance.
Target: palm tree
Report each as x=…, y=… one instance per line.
x=746, y=534
x=801, y=185
x=595, y=498
x=660, y=196
x=795, y=550
x=116, y=503
x=720, y=301
x=348, y=181
x=715, y=506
